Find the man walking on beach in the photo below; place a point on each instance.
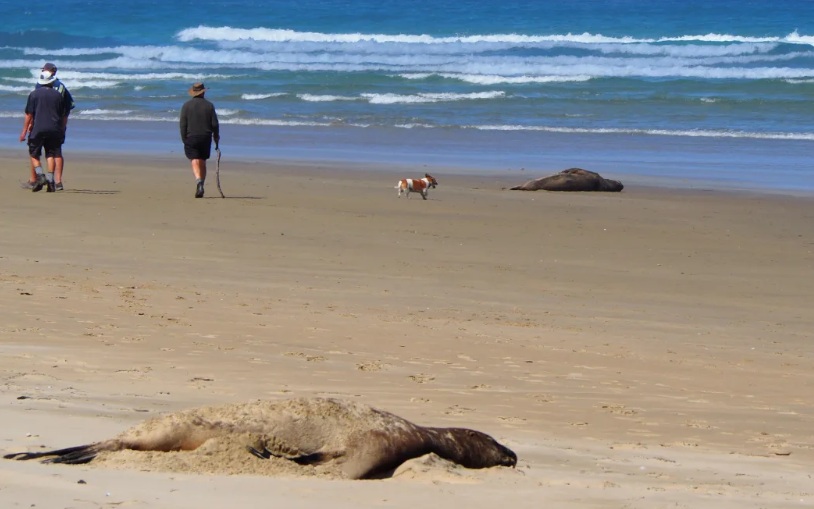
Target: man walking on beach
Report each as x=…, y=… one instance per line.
x=46, y=113
x=199, y=126
x=59, y=161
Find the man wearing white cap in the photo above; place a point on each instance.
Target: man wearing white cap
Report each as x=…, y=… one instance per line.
x=46, y=113
x=59, y=161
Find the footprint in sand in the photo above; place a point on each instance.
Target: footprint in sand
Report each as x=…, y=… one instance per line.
x=458, y=410
x=421, y=378
x=308, y=358
x=619, y=410
x=372, y=366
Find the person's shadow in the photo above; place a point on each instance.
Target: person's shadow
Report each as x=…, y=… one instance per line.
x=90, y=191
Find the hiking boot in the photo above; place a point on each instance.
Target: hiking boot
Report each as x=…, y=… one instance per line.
x=199, y=190
x=50, y=187
x=59, y=187
x=41, y=181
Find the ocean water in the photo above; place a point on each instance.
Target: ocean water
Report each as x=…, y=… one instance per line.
x=682, y=89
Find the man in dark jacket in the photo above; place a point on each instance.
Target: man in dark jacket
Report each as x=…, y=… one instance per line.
x=199, y=126
x=46, y=113
x=60, y=161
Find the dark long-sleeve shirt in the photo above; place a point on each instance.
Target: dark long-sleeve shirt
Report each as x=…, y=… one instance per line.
x=198, y=118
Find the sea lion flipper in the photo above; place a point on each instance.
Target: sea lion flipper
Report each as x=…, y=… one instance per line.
x=70, y=455
x=263, y=455
x=315, y=458
x=78, y=456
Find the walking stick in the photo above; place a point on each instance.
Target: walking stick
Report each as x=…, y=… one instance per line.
x=217, y=172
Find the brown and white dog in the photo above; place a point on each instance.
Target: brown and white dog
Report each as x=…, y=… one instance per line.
x=416, y=185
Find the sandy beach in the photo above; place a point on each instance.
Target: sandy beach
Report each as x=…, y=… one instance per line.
x=651, y=348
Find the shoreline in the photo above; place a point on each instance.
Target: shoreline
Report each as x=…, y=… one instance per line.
x=739, y=165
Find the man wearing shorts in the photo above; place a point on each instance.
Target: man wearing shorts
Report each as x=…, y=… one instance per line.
x=46, y=113
x=199, y=126
x=60, y=161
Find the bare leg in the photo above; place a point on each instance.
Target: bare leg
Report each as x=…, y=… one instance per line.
x=199, y=170
x=60, y=165
x=49, y=177
x=37, y=177
x=34, y=163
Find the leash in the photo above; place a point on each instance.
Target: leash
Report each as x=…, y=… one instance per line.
x=217, y=172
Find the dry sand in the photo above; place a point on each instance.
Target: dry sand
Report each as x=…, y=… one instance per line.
x=652, y=348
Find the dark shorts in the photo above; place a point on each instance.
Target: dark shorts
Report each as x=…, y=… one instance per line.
x=51, y=142
x=198, y=147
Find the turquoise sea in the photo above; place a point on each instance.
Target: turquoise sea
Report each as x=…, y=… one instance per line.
x=682, y=91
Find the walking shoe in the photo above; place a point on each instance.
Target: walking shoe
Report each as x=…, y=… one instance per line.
x=28, y=185
x=59, y=186
x=41, y=181
x=50, y=187
x=199, y=190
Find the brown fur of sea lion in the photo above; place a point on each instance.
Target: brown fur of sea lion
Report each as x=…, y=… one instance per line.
x=364, y=442
x=572, y=179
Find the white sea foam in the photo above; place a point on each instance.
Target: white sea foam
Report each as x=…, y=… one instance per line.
x=257, y=72
x=260, y=97
x=325, y=98
x=414, y=126
x=125, y=115
x=430, y=97
x=226, y=33
x=16, y=90
x=486, y=79
x=471, y=59
x=77, y=84
x=689, y=50
x=128, y=115
x=276, y=122
x=695, y=133
x=476, y=69
x=101, y=112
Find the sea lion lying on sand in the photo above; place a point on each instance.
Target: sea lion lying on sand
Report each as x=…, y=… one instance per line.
x=572, y=179
x=364, y=442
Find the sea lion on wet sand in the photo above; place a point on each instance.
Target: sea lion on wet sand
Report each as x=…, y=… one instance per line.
x=362, y=442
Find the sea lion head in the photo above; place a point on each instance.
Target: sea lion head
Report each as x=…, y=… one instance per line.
x=479, y=450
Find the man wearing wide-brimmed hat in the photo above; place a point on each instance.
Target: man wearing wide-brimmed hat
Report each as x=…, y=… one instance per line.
x=199, y=126
x=46, y=113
